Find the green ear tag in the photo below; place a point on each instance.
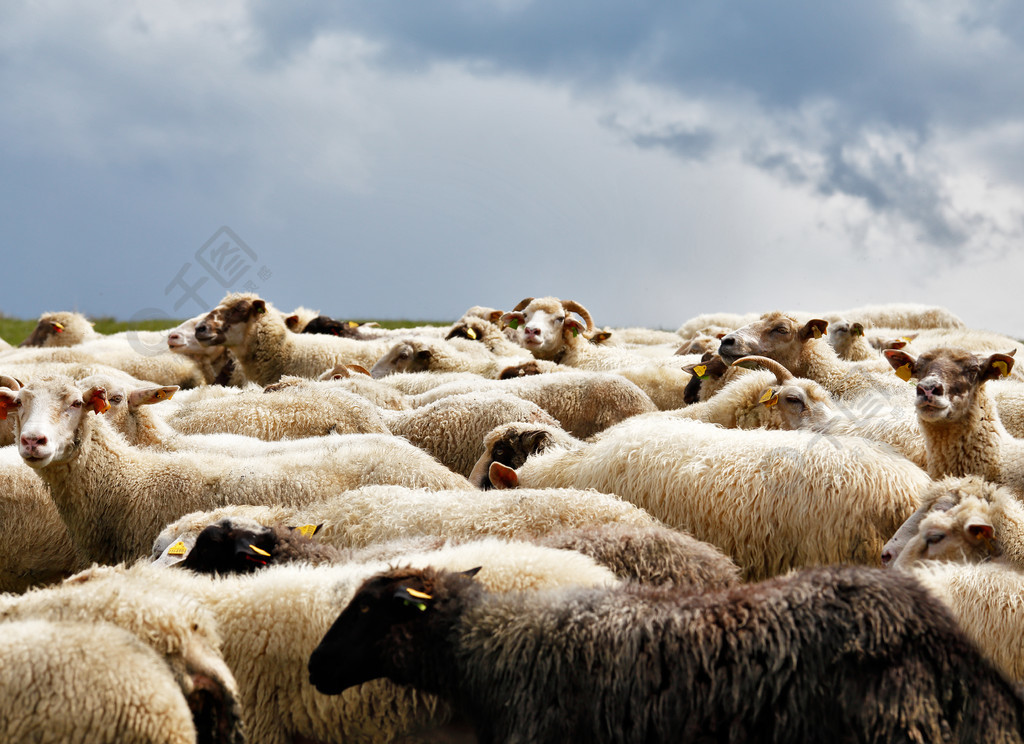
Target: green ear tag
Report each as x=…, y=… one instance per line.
x=575, y=332
x=513, y=324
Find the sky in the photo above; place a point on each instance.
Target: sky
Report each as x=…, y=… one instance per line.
x=650, y=160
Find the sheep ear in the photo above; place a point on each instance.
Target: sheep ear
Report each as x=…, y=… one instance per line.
x=996, y=366
x=600, y=337
x=769, y=398
x=573, y=325
x=513, y=320
x=535, y=441
x=148, y=396
x=258, y=307
x=96, y=398
x=357, y=369
x=292, y=321
x=902, y=362
x=8, y=402
x=495, y=316
x=814, y=329
x=980, y=530
x=502, y=476
x=472, y=571
x=857, y=329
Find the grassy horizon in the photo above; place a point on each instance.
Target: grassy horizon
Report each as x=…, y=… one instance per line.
x=16, y=330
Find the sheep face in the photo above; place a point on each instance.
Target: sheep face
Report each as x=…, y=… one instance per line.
x=801, y=402
x=386, y=623
x=775, y=335
x=48, y=416
x=546, y=325
x=59, y=329
x=225, y=547
x=402, y=357
x=226, y=324
x=182, y=339
x=843, y=334
x=510, y=445
x=937, y=499
x=963, y=533
x=948, y=380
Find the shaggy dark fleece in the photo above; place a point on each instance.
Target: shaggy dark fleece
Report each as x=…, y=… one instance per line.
x=837, y=654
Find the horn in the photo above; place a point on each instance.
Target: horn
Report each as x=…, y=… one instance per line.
x=9, y=382
x=575, y=307
x=522, y=303
x=781, y=373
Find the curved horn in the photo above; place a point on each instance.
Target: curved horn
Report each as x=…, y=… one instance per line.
x=522, y=303
x=575, y=307
x=781, y=373
x=9, y=382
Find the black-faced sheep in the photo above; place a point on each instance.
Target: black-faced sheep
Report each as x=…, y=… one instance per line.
x=843, y=654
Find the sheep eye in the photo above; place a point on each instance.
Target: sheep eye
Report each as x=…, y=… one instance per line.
x=559, y=320
x=792, y=399
x=781, y=330
x=77, y=404
x=115, y=399
x=933, y=538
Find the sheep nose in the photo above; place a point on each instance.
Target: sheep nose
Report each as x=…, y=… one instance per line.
x=929, y=389
x=531, y=331
x=887, y=556
x=28, y=440
x=727, y=342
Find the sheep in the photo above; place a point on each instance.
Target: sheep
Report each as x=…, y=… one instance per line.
x=802, y=349
x=174, y=624
x=771, y=400
x=583, y=403
x=36, y=547
x=986, y=600
x=256, y=332
x=248, y=413
x=1009, y=399
x=978, y=342
x=481, y=324
x=652, y=554
x=271, y=620
x=849, y=341
x=300, y=318
x=961, y=427
x=842, y=653
x=115, y=498
x=82, y=683
x=750, y=493
x=218, y=364
x=374, y=514
x=55, y=329
x=718, y=321
x=424, y=354
x=909, y=316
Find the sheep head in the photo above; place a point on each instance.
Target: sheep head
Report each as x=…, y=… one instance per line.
x=227, y=323
x=509, y=446
x=60, y=329
x=48, y=415
x=963, y=533
x=546, y=324
x=405, y=356
x=774, y=335
x=395, y=616
x=948, y=379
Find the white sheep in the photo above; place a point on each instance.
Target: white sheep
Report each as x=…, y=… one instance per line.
x=803, y=350
x=87, y=683
x=432, y=355
x=958, y=418
x=375, y=514
x=115, y=498
x=256, y=332
x=771, y=500
x=218, y=364
x=35, y=547
x=714, y=321
x=849, y=341
x=909, y=316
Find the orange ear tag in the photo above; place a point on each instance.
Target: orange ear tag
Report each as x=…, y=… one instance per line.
x=904, y=373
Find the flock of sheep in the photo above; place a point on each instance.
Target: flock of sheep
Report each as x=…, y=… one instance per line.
x=272, y=527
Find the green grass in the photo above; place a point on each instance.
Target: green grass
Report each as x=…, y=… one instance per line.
x=16, y=330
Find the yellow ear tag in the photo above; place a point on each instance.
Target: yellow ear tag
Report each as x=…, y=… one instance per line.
x=904, y=339
x=259, y=551
x=352, y=324
x=57, y=327
x=817, y=332
x=701, y=370
x=177, y=549
x=904, y=373
x=308, y=530
x=513, y=324
x=418, y=594
x=470, y=333
x=1001, y=366
x=767, y=396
